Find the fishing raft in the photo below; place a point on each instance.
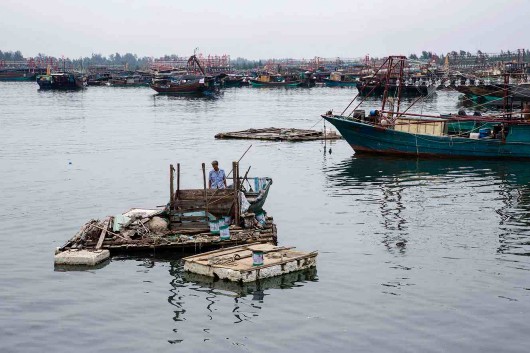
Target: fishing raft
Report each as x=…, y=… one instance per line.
x=194, y=220
x=149, y=230
x=280, y=134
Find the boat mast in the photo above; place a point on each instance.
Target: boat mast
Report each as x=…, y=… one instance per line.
x=393, y=63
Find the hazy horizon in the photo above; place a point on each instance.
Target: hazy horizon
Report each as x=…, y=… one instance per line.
x=276, y=29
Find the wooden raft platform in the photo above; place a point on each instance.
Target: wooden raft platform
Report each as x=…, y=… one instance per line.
x=280, y=134
x=236, y=264
x=140, y=237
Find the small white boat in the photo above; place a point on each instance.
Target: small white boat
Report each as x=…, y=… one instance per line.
x=249, y=263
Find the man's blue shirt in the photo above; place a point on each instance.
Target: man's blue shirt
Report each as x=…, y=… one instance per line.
x=217, y=179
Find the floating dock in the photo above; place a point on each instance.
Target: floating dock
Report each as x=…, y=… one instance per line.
x=249, y=263
x=279, y=134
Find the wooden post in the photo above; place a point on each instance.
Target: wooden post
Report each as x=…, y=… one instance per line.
x=103, y=233
x=205, y=188
x=178, y=180
x=236, y=192
x=238, y=189
x=171, y=190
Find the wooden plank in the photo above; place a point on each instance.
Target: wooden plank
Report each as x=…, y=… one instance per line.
x=201, y=227
x=198, y=194
x=188, y=218
x=181, y=203
x=103, y=233
x=290, y=259
x=190, y=225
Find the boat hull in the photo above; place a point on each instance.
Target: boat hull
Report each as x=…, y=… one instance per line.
x=187, y=88
x=366, y=138
x=409, y=91
x=256, y=83
x=17, y=75
x=232, y=83
x=62, y=82
x=331, y=83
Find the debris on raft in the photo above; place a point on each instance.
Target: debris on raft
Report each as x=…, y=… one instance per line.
x=279, y=134
x=145, y=230
x=249, y=263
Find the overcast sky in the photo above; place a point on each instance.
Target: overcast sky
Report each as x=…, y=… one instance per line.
x=262, y=29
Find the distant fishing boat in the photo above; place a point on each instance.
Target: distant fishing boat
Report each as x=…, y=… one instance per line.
x=268, y=80
x=185, y=85
x=232, y=81
x=484, y=93
x=128, y=81
x=341, y=79
x=17, y=75
x=400, y=133
x=307, y=79
x=374, y=86
x=188, y=83
x=61, y=81
x=98, y=79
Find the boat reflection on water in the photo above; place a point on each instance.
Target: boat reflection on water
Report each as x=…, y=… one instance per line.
x=188, y=96
x=192, y=286
x=256, y=289
x=406, y=192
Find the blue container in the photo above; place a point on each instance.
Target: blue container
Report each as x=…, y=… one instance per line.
x=484, y=133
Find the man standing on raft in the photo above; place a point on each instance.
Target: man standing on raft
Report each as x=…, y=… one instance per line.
x=217, y=177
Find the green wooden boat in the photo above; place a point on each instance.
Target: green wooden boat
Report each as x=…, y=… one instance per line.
x=267, y=80
x=17, y=75
x=396, y=132
x=429, y=137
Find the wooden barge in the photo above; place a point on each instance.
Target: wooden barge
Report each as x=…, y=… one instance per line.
x=280, y=134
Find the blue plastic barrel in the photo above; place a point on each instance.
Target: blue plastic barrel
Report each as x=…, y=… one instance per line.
x=484, y=133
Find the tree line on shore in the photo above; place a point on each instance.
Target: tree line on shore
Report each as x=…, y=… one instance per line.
x=462, y=54
x=130, y=60
x=134, y=62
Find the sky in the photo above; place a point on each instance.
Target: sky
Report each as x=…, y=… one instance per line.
x=262, y=29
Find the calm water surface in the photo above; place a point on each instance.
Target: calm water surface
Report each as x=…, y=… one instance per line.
x=415, y=255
